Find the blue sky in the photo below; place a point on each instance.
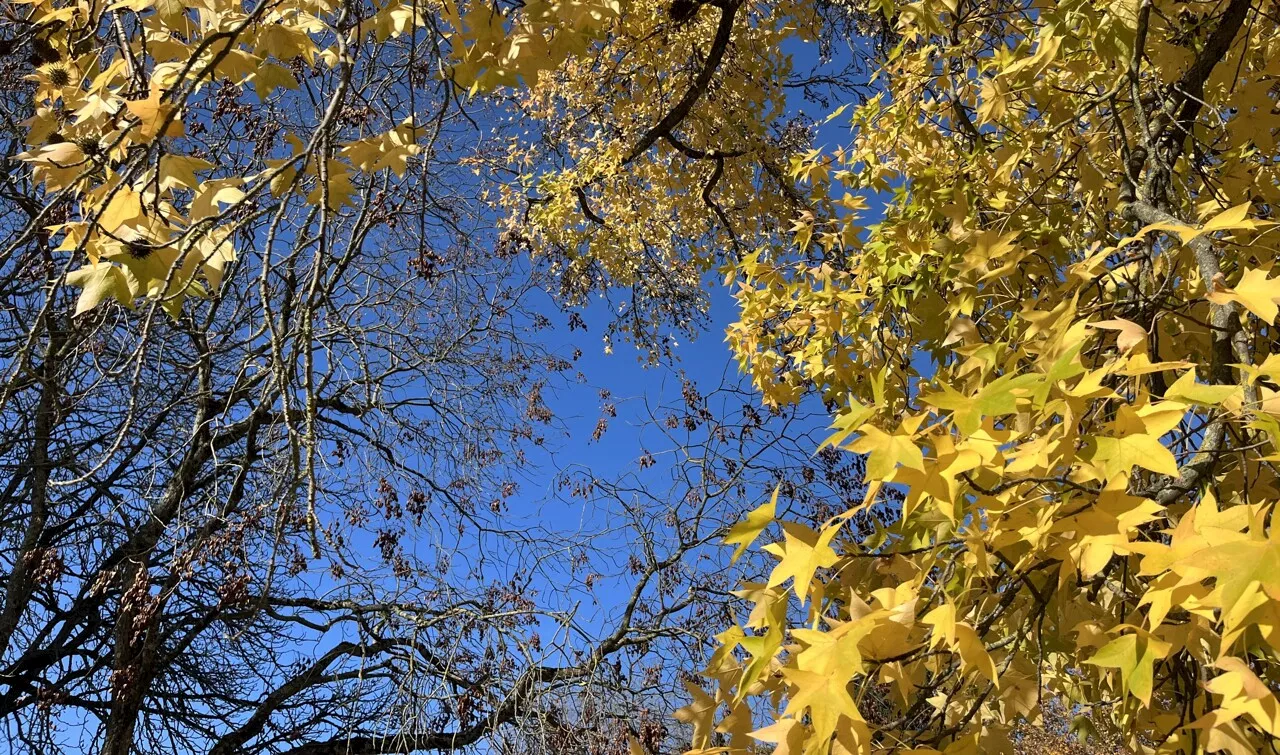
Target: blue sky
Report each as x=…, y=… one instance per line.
x=634, y=388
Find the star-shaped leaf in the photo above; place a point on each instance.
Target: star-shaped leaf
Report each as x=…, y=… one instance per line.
x=744, y=533
x=99, y=282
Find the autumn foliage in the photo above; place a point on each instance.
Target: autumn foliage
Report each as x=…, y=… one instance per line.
x=1036, y=287
x=1059, y=345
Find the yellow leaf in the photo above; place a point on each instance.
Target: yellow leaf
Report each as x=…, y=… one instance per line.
x=180, y=171
x=699, y=714
x=269, y=77
x=1188, y=391
x=99, y=282
x=802, y=552
x=786, y=733
x=943, y=621
x=974, y=654
x=744, y=533
x=962, y=638
x=994, y=399
x=1232, y=219
x=887, y=452
x=824, y=695
x=152, y=114
x=1135, y=657
x=1255, y=292
x=340, y=188
x=1121, y=455
x=123, y=211
x=1243, y=693
x=1238, y=566
x=1128, y=334
x=212, y=195
x=847, y=422
x=57, y=165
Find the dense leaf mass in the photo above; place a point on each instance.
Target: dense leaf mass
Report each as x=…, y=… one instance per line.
x=1059, y=343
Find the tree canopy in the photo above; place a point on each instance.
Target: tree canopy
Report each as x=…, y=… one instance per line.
x=259, y=249
x=1058, y=346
